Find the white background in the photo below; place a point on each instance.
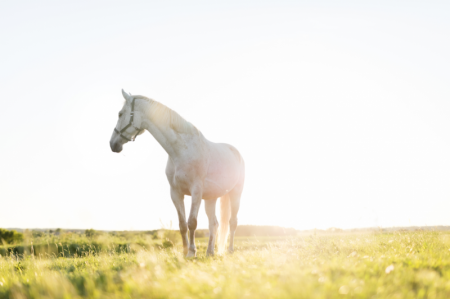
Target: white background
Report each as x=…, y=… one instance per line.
x=341, y=111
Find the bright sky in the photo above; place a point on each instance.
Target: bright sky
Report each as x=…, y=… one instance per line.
x=341, y=111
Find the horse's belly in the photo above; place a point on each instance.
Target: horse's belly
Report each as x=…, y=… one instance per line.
x=220, y=182
x=224, y=171
x=218, y=177
x=213, y=190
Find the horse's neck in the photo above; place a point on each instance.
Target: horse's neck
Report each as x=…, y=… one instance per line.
x=173, y=143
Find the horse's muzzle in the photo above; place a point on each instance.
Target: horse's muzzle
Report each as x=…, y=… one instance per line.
x=116, y=147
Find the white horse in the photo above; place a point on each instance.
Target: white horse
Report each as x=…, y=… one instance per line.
x=196, y=167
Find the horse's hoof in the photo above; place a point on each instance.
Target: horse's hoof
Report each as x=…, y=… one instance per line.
x=191, y=254
x=230, y=251
x=209, y=253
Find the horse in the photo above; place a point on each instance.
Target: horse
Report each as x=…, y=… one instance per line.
x=195, y=167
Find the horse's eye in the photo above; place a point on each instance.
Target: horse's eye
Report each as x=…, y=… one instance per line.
x=120, y=114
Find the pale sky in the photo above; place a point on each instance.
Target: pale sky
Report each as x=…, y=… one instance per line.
x=341, y=111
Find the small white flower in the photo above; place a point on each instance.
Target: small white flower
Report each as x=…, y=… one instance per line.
x=389, y=269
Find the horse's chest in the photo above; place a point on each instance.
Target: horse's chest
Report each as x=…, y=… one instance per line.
x=184, y=177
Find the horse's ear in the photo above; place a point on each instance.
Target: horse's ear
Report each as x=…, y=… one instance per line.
x=126, y=96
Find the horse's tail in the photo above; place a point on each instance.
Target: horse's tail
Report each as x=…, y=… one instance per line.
x=225, y=215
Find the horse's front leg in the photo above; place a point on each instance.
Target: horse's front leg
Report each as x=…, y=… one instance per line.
x=210, y=208
x=196, y=195
x=178, y=201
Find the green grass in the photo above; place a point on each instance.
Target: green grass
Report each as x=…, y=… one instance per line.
x=376, y=265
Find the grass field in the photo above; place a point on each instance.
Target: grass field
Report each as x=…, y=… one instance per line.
x=340, y=265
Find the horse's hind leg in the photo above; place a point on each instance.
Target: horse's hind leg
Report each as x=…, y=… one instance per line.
x=235, y=199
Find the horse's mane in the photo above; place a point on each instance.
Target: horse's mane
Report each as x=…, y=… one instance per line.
x=163, y=115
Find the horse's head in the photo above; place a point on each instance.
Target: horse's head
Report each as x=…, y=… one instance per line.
x=128, y=126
